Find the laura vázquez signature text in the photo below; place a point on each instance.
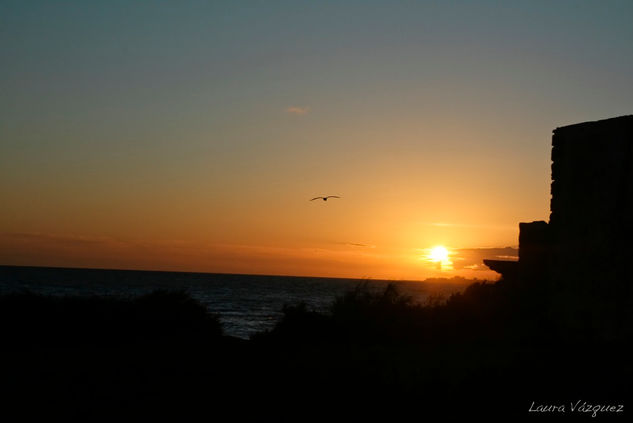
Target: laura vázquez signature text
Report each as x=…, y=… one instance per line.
x=577, y=407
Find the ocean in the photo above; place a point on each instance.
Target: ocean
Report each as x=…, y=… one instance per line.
x=247, y=304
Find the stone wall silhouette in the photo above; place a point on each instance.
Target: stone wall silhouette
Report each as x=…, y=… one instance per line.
x=581, y=262
x=591, y=223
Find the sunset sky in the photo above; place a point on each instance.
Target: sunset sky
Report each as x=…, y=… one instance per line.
x=191, y=135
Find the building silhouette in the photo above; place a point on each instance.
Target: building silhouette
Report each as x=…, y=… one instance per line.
x=580, y=263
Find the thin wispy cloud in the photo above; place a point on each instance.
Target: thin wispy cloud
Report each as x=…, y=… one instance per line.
x=297, y=110
x=48, y=238
x=465, y=225
x=352, y=244
x=356, y=244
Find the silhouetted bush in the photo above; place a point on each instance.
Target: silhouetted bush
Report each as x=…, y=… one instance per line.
x=483, y=312
x=301, y=325
x=33, y=319
x=485, y=351
x=368, y=316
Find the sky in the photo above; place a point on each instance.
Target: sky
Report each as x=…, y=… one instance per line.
x=191, y=135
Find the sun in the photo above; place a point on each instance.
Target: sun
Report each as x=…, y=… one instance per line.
x=438, y=254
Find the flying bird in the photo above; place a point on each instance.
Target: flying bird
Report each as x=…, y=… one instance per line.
x=325, y=198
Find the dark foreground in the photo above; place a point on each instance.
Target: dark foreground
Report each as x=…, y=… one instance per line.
x=485, y=353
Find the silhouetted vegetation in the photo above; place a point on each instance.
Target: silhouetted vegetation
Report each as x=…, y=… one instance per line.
x=489, y=350
x=484, y=312
x=33, y=319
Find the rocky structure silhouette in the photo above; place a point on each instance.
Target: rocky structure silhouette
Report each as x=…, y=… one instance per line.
x=580, y=262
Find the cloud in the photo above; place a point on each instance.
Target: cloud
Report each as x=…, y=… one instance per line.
x=352, y=244
x=465, y=225
x=52, y=239
x=472, y=258
x=296, y=110
x=355, y=244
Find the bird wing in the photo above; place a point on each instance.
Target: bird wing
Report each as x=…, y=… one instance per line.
x=332, y=196
x=315, y=198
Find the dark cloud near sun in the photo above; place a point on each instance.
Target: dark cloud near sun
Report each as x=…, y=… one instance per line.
x=472, y=258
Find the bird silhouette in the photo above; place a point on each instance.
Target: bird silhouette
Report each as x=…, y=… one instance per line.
x=325, y=198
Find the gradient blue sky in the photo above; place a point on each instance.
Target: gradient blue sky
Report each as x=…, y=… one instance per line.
x=189, y=135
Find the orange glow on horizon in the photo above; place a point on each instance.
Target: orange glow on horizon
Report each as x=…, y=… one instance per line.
x=346, y=260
